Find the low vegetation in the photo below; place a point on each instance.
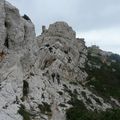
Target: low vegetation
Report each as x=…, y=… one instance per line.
x=45, y=108
x=106, y=79
x=24, y=113
x=80, y=113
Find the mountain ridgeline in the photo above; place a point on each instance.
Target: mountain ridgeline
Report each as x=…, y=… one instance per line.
x=54, y=76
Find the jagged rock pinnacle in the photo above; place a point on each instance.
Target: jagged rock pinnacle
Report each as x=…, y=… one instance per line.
x=61, y=29
x=63, y=50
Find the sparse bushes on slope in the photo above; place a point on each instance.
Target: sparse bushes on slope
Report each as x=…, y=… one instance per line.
x=79, y=112
x=106, y=80
x=25, y=114
x=45, y=108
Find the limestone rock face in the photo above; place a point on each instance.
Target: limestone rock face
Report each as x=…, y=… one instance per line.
x=61, y=53
x=16, y=32
x=40, y=75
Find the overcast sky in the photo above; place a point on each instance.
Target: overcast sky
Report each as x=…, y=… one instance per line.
x=98, y=21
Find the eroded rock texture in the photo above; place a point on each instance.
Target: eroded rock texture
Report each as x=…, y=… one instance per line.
x=61, y=53
x=16, y=32
x=40, y=75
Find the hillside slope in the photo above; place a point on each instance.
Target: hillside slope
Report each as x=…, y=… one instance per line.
x=45, y=77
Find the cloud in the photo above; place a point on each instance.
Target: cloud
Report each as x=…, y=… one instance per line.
x=108, y=39
x=83, y=15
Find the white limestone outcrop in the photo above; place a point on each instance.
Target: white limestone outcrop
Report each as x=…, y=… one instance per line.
x=40, y=71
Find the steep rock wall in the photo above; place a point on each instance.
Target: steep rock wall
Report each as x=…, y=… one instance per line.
x=40, y=76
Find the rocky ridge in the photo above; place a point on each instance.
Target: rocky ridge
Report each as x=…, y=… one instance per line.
x=40, y=76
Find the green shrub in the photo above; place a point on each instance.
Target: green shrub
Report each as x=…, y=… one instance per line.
x=45, y=108
x=79, y=112
x=25, y=114
x=106, y=82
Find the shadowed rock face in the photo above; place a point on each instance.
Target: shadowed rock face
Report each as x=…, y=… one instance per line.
x=51, y=65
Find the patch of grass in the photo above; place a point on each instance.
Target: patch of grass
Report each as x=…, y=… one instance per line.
x=25, y=114
x=45, y=108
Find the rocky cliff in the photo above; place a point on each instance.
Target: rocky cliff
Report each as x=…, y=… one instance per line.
x=41, y=77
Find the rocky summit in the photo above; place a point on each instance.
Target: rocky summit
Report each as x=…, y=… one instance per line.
x=48, y=76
